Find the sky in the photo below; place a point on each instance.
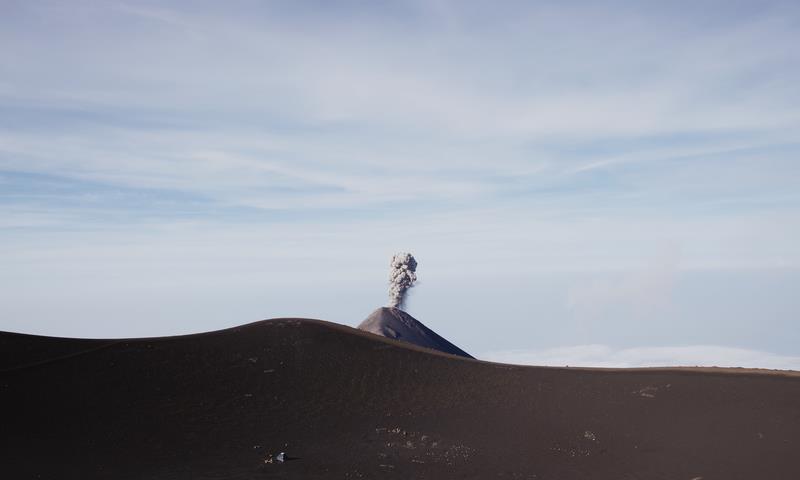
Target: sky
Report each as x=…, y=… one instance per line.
x=582, y=183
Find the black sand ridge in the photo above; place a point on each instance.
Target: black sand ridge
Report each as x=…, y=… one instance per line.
x=346, y=404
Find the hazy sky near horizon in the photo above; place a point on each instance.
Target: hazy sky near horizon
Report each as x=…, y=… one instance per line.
x=599, y=182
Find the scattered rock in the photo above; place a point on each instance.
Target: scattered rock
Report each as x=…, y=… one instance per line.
x=280, y=458
x=647, y=392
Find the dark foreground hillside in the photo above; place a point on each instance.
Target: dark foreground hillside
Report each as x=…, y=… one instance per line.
x=347, y=404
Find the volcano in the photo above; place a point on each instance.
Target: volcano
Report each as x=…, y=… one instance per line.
x=396, y=324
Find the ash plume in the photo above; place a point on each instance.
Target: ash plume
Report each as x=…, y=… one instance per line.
x=402, y=276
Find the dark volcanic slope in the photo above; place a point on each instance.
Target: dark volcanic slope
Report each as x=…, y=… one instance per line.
x=346, y=404
x=398, y=325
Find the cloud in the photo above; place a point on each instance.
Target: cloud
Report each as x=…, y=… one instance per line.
x=425, y=90
x=532, y=72
x=390, y=109
x=549, y=136
x=606, y=356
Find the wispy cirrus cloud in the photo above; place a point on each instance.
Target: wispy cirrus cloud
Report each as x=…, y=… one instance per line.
x=540, y=74
x=420, y=96
x=548, y=136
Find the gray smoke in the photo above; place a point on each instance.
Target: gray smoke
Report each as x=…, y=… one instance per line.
x=401, y=277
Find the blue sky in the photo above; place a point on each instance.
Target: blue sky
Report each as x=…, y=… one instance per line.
x=603, y=178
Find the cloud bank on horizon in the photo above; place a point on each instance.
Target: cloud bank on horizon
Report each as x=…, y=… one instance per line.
x=176, y=166
x=603, y=356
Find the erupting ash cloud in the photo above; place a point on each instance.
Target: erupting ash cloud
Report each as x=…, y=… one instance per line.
x=401, y=277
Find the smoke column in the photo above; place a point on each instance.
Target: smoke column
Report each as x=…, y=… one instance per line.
x=401, y=277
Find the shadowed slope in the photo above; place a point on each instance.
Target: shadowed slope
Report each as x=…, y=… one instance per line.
x=347, y=404
x=398, y=325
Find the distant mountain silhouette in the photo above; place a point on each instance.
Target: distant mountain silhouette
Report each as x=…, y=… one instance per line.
x=398, y=325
